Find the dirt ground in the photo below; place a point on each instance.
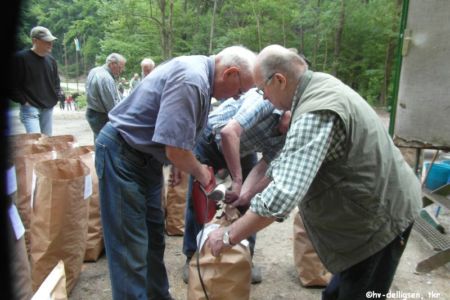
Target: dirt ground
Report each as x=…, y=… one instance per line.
x=273, y=251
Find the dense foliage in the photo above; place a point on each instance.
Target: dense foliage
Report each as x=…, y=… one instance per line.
x=353, y=39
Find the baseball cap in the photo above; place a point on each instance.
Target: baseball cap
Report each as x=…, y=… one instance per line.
x=42, y=33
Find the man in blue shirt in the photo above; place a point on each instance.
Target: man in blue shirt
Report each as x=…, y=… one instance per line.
x=159, y=122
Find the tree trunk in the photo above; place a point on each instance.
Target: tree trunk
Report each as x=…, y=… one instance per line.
x=389, y=58
x=338, y=39
x=170, y=32
x=302, y=41
x=258, y=26
x=166, y=28
x=317, y=35
x=211, y=32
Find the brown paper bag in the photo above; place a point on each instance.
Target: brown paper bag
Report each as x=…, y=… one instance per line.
x=225, y=277
x=94, y=241
x=25, y=158
x=54, y=285
x=310, y=269
x=175, y=204
x=59, y=142
x=19, y=140
x=59, y=218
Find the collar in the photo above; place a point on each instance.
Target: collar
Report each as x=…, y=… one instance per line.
x=303, y=82
x=108, y=69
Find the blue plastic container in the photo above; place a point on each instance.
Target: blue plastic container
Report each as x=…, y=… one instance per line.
x=438, y=176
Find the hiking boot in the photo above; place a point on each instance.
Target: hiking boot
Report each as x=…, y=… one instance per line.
x=256, y=275
x=186, y=270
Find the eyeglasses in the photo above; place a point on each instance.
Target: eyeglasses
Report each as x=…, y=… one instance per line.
x=260, y=90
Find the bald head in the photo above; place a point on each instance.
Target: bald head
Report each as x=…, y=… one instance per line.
x=275, y=58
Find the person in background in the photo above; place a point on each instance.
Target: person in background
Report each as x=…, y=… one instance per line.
x=159, y=122
x=62, y=100
x=102, y=92
x=147, y=65
x=357, y=196
x=69, y=102
x=235, y=132
x=134, y=81
x=75, y=101
x=36, y=83
x=121, y=84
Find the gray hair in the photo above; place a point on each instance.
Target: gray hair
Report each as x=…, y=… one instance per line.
x=148, y=62
x=115, y=58
x=238, y=56
x=275, y=58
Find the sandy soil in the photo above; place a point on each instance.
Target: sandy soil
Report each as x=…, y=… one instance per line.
x=273, y=251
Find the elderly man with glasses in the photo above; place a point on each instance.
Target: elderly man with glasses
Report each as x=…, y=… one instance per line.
x=357, y=196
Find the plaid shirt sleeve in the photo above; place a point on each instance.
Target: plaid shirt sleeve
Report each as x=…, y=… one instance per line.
x=312, y=139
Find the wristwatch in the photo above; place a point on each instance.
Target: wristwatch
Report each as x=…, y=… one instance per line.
x=226, y=237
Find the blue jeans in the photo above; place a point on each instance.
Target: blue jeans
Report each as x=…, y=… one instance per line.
x=96, y=121
x=208, y=153
x=130, y=185
x=36, y=120
x=374, y=274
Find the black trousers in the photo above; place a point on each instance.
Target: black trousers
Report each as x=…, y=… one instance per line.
x=371, y=278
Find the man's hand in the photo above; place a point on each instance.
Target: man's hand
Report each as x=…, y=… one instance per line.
x=243, y=200
x=233, y=193
x=206, y=178
x=215, y=241
x=174, y=177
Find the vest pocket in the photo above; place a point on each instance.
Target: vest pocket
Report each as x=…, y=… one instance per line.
x=340, y=224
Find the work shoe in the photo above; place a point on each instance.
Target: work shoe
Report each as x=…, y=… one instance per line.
x=256, y=275
x=186, y=270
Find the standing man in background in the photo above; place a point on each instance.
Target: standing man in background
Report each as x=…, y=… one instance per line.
x=102, y=93
x=147, y=65
x=36, y=84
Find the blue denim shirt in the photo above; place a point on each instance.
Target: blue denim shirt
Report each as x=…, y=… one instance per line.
x=169, y=107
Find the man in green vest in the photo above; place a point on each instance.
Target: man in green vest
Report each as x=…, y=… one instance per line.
x=356, y=194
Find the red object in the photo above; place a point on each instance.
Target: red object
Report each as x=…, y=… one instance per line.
x=204, y=208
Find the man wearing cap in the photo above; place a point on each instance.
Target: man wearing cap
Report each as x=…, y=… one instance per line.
x=36, y=84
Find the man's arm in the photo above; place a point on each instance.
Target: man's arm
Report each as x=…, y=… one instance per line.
x=239, y=230
x=186, y=161
x=255, y=182
x=16, y=92
x=230, y=136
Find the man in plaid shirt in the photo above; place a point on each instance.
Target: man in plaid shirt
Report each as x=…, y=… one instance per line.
x=236, y=130
x=356, y=194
